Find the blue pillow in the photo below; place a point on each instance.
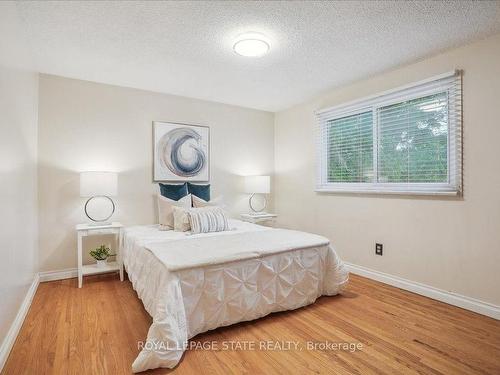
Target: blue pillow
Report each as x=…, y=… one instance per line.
x=174, y=192
x=201, y=191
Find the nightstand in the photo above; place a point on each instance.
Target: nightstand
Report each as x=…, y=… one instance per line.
x=267, y=219
x=84, y=230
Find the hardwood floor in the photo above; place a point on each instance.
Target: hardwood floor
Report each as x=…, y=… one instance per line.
x=95, y=330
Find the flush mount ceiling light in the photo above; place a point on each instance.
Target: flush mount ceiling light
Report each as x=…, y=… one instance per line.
x=251, y=45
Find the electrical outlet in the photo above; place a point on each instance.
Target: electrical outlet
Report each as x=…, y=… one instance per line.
x=379, y=249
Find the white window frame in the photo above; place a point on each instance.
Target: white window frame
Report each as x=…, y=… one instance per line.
x=451, y=83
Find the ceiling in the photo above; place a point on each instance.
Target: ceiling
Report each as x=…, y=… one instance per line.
x=185, y=48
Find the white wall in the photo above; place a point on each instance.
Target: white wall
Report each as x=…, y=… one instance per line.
x=18, y=181
x=91, y=126
x=451, y=244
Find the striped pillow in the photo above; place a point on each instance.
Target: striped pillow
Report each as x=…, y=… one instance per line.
x=207, y=219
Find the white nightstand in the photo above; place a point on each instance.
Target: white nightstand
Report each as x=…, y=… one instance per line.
x=268, y=219
x=84, y=230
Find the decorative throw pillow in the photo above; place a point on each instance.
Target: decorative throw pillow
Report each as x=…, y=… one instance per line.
x=165, y=210
x=207, y=219
x=199, y=203
x=174, y=191
x=181, y=219
x=201, y=191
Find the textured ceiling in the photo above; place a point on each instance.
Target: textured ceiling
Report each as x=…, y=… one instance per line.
x=185, y=48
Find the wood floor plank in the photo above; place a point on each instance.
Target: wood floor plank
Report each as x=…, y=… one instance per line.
x=95, y=330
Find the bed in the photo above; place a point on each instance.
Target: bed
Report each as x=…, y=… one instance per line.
x=190, y=284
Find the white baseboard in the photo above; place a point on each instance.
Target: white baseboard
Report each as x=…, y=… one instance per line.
x=10, y=338
x=67, y=273
x=451, y=298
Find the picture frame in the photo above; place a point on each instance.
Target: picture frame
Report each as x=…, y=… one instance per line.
x=181, y=152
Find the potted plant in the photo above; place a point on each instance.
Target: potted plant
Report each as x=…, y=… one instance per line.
x=101, y=255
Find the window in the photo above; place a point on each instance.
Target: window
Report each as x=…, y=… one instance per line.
x=350, y=148
x=403, y=141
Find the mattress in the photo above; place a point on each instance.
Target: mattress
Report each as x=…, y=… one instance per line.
x=253, y=271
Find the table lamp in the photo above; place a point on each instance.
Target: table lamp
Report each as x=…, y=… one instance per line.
x=99, y=187
x=257, y=185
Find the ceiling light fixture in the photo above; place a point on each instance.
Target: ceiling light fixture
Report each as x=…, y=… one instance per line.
x=251, y=45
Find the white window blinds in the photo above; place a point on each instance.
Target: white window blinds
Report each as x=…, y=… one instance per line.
x=350, y=148
x=407, y=140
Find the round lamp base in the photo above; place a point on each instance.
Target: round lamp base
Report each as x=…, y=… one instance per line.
x=99, y=208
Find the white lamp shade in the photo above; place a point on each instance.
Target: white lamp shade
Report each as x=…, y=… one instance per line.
x=258, y=184
x=98, y=183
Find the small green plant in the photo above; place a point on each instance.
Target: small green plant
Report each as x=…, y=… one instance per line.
x=101, y=253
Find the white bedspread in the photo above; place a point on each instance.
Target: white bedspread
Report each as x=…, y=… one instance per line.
x=205, y=251
x=191, y=284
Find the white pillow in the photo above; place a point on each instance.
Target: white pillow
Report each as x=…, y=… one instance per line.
x=181, y=219
x=165, y=210
x=207, y=219
x=199, y=203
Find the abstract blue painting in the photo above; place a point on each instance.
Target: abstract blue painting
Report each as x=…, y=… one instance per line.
x=181, y=152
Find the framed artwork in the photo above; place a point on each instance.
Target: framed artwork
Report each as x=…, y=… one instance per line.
x=181, y=152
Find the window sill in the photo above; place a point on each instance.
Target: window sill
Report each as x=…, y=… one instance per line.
x=451, y=193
